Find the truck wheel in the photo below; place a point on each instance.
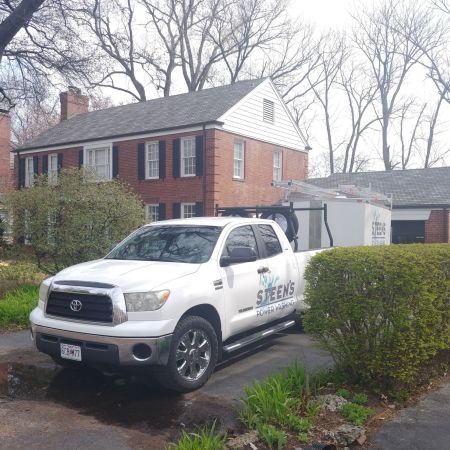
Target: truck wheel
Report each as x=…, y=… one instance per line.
x=193, y=355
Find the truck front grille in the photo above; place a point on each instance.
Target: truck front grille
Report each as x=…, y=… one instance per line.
x=85, y=307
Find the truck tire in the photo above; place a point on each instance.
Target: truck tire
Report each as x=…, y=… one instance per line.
x=291, y=219
x=193, y=355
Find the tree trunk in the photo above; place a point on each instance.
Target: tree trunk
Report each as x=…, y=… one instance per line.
x=16, y=21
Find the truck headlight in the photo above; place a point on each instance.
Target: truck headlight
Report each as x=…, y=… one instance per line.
x=43, y=289
x=146, y=301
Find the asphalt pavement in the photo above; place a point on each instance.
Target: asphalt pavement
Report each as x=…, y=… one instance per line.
x=45, y=407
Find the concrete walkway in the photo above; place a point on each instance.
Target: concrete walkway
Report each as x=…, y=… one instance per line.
x=425, y=426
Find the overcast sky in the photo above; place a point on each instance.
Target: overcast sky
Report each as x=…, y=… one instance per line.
x=324, y=13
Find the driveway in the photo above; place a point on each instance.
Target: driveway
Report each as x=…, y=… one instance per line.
x=43, y=406
x=425, y=426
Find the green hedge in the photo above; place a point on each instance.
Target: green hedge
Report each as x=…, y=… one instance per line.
x=382, y=312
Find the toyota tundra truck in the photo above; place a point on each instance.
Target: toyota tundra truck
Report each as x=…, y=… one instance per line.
x=175, y=295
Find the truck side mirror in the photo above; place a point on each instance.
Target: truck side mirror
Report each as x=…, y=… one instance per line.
x=239, y=255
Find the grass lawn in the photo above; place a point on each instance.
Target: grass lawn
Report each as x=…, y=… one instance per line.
x=16, y=305
x=19, y=291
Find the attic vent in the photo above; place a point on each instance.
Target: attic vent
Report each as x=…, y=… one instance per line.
x=268, y=110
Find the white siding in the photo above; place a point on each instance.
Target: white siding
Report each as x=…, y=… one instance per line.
x=246, y=119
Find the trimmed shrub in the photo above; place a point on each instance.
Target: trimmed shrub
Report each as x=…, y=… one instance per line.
x=74, y=221
x=382, y=312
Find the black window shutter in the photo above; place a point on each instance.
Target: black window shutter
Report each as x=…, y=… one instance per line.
x=162, y=211
x=199, y=155
x=176, y=158
x=162, y=159
x=176, y=210
x=60, y=162
x=45, y=164
x=21, y=172
x=36, y=164
x=141, y=161
x=199, y=209
x=80, y=158
x=115, y=161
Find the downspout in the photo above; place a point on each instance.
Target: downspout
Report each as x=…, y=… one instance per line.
x=204, y=169
x=446, y=224
x=18, y=170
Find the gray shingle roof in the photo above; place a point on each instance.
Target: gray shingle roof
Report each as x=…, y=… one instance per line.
x=153, y=115
x=414, y=187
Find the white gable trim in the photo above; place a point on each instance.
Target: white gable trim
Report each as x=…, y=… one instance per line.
x=260, y=86
x=266, y=83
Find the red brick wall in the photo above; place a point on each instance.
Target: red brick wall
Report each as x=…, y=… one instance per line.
x=5, y=150
x=437, y=227
x=255, y=189
x=220, y=188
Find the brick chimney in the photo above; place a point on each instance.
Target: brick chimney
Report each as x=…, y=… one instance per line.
x=73, y=103
x=5, y=150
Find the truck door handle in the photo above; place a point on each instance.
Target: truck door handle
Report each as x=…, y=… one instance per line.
x=263, y=270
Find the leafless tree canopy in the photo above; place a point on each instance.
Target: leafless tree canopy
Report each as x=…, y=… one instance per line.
x=349, y=90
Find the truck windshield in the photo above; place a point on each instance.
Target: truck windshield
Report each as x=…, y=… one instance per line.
x=177, y=243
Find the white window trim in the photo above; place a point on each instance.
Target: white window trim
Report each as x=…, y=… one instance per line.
x=55, y=174
x=29, y=181
x=182, y=216
x=182, y=172
x=239, y=141
x=280, y=167
x=147, y=144
x=147, y=207
x=99, y=146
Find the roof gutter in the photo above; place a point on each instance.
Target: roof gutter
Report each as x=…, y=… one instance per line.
x=424, y=206
x=112, y=137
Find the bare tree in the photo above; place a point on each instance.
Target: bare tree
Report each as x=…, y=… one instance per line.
x=40, y=48
x=198, y=53
x=322, y=81
x=360, y=94
x=162, y=53
x=249, y=27
x=382, y=35
x=112, y=25
x=14, y=18
x=409, y=144
x=432, y=155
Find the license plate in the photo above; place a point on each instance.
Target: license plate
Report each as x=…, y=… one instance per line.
x=72, y=352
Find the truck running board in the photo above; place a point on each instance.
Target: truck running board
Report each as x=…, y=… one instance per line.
x=236, y=345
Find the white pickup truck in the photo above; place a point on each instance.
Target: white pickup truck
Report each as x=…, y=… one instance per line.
x=174, y=294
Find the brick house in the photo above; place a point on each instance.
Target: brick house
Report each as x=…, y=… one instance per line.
x=181, y=154
x=421, y=200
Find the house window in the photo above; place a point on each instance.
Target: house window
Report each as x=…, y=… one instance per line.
x=238, y=160
x=29, y=171
x=52, y=169
x=99, y=160
x=152, y=213
x=187, y=210
x=277, y=165
x=268, y=111
x=187, y=157
x=152, y=160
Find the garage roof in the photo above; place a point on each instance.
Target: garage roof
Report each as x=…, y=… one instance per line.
x=410, y=188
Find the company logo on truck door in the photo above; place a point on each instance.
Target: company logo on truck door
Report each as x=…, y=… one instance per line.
x=273, y=295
